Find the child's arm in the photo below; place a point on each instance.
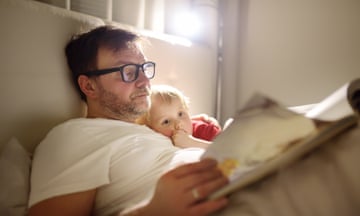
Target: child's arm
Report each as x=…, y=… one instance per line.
x=184, y=140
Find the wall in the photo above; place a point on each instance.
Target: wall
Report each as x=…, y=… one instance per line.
x=192, y=69
x=296, y=51
x=35, y=88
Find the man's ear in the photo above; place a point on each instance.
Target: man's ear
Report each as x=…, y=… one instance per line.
x=87, y=86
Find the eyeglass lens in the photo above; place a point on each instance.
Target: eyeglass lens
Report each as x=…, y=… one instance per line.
x=131, y=72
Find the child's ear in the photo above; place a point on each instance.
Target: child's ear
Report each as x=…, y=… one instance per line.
x=87, y=86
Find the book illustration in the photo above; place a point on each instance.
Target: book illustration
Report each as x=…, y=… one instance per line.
x=228, y=165
x=265, y=135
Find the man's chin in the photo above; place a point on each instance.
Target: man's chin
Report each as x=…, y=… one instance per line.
x=142, y=108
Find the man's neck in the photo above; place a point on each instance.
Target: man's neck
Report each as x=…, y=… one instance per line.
x=99, y=112
x=120, y=118
x=112, y=116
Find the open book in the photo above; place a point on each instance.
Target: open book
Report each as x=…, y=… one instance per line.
x=265, y=136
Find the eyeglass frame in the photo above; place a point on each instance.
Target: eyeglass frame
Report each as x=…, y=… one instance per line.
x=120, y=69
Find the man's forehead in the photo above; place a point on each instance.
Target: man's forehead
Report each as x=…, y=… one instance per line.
x=130, y=50
x=111, y=57
x=133, y=45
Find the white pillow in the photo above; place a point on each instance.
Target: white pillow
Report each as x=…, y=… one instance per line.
x=15, y=165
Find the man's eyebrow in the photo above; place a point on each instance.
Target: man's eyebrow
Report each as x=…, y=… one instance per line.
x=122, y=62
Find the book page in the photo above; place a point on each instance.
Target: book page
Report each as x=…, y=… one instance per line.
x=258, y=132
x=265, y=135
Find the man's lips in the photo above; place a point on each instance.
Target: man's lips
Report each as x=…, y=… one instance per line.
x=141, y=94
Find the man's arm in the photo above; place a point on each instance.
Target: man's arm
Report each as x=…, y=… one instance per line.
x=78, y=204
x=189, y=183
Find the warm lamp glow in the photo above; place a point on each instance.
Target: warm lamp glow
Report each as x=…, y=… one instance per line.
x=187, y=24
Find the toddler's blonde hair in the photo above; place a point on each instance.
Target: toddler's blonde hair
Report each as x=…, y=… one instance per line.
x=167, y=94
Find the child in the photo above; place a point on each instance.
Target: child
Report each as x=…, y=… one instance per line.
x=169, y=115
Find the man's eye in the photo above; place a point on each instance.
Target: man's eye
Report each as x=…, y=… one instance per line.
x=129, y=72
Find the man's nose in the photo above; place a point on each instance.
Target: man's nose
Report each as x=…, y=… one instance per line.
x=142, y=79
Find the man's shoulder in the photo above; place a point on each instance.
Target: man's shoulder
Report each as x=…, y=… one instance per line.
x=91, y=128
x=92, y=122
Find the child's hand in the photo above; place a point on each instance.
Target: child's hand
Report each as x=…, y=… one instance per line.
x=182, y=139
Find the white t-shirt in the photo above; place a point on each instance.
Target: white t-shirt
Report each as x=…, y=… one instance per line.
x=123, y=160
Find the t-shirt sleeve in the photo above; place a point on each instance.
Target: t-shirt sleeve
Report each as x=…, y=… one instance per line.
x=204, y=130
x=74, y=167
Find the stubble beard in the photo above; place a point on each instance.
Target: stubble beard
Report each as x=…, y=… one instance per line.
x=125, y=111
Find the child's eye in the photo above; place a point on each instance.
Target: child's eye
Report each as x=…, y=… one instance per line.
x=180, y=114
x=165, y=122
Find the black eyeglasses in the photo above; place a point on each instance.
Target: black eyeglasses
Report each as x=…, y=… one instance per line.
x=129, y=72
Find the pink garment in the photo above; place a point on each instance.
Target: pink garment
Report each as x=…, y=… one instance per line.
x=205, y=130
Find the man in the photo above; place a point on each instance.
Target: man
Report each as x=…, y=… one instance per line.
x=105, y=164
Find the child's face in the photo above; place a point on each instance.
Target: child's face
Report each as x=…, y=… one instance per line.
x=166, y=117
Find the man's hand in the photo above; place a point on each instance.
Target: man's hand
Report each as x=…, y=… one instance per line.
x=183, y=190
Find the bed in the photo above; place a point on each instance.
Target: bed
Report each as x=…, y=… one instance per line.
x=36, y=92
x=36, y=95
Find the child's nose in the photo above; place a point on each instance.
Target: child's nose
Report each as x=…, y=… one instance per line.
x=177, y=125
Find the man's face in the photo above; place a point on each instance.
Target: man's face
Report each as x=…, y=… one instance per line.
x=115, y=98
